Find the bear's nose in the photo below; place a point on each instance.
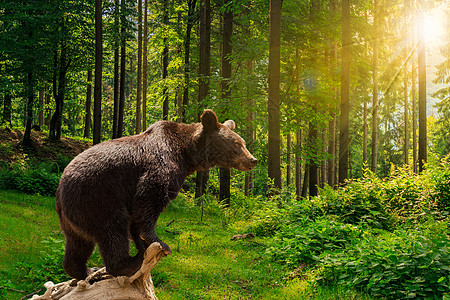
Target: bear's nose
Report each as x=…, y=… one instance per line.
x=253, y=161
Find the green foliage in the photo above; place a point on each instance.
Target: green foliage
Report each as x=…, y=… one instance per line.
x=32, y=177
x=406, y=264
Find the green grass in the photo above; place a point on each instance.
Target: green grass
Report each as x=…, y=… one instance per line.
x=205, y=263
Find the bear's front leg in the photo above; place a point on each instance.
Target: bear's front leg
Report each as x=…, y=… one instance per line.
x=145, y=216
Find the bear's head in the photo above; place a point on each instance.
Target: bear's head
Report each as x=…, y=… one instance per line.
x=221, y=146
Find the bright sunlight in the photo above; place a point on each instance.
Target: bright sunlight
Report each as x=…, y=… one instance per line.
x=432, y=28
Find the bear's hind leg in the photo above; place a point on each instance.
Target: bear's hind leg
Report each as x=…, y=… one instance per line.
x=77, y=252
x=115, y=252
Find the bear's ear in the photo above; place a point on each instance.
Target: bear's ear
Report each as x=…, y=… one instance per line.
x=209, y=120
x=230, y=124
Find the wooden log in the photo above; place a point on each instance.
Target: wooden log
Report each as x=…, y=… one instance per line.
x=101, y=285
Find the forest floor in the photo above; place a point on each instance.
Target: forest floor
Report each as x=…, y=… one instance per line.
x=205, y=263
x=42, y=148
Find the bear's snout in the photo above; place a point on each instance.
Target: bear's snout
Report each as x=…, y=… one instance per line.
x=253, y=161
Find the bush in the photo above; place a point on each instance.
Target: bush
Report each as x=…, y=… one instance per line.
x=29, y=178
x=303, y=242
x=407, y=264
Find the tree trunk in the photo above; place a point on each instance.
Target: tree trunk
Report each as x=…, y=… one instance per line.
x=312, y=140
x=345, y=93
x=298, y=164
x=41, y=108
x=204, y=73
x=123, y=62
x=365, y=134
x=7, y=103
x=139, y=72
x=422, y=107
x=414, y=113
x=375, y=90
x=225, y=175
x=59, y=90
x=145, y=67
x=116, y=68
x=98, y=73
x=405, y=97
x=273, y=105
x=48, y=110
x=250, y=130
x=26, y=141
x=288, y=160
x=87, y=118
x=187, y=53
x=165, y=60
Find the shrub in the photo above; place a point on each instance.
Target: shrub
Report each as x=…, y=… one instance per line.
x=407, y=264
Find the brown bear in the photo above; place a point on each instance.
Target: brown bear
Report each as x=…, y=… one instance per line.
x=118, y=189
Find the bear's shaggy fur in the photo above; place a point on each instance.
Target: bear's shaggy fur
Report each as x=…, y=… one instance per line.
x=117, y=189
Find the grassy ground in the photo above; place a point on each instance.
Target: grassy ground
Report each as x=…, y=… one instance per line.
x=205, y=263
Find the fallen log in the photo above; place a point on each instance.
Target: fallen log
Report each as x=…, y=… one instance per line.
x=101, y=285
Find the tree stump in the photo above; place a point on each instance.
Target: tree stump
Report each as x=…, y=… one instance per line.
x=101, y=285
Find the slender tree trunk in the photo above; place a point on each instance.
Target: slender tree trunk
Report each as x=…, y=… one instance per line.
x=288, y=159
x=187, y=50
x=312, y=139
x=87, y=118
x=59, y=89
x=298, y=164
x=165, y=65
x=273, y=106
x=116, y=68
x=123, y=62
x=225, y=174
x=139, y=71
x=345, y=93
x=405, y=97
x=422, y=107
x=414, y=113
x=48, y=110
x=26, y=141
x=204, y=73
x=365, y=133
x=145, y=67
x=41, y=108
x=305, y=181
x=250, y=103
x=7, y=103
x=98, y=73
x=375, y=89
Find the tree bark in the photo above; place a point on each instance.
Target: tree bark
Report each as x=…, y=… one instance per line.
x=422, y=107
x=123, y=62
x=87, y=118
x=345, y=93
x=145, y=67
x=59, y=90
x=376, y=25
x=7, y=103
x=187, y=50
x=225, y=174
x=204, y=73
x=414, y=113
x=139, y=71
x=26, y=141
x=116, y=68
x=98, y=73
x=273, y=105
x=165, y=60
x=41, y=108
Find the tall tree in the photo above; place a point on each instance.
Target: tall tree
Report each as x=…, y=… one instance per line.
x=187, y=52
x=123, y=71
x=344, y=137
x=165, y=60
x=139, y=70
x=145, y=67
x=422, y=103
x=273, y=103
x=225, y=175
x=375, y=38
x=116, y=67
x=98, y=73
x=204, y=72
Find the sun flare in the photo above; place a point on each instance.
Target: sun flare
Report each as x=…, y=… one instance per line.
x=432, y=27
